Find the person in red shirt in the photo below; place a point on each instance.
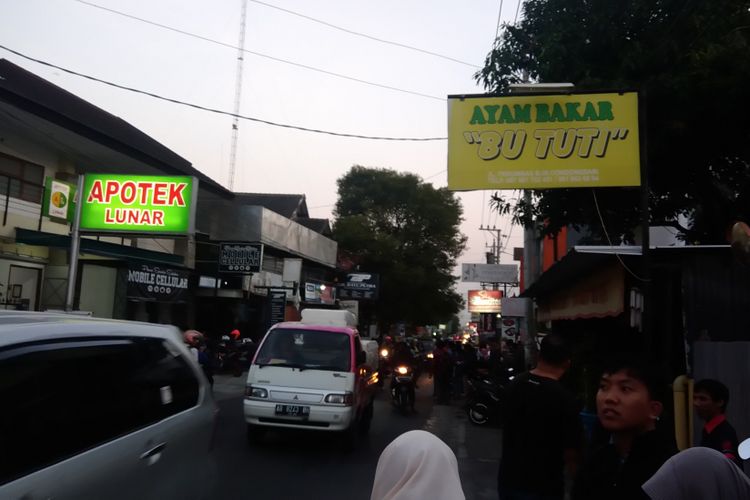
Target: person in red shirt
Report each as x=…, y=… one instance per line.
x=710, y=399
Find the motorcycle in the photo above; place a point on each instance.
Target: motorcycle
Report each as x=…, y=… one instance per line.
x=402, y=388
x=484, y=402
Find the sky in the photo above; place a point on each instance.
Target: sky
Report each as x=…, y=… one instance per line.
x=88, y=39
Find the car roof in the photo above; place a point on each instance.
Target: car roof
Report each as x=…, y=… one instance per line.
x=26, y=326
x=297, y=325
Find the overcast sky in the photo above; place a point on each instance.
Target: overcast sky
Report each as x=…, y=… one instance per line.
x=81, y=37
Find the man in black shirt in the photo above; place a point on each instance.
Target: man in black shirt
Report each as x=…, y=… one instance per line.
x=542, y=432
x=629, y=404
x=710, y=399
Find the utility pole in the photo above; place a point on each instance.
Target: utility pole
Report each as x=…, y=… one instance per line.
x=237, y=95
x=496, y=247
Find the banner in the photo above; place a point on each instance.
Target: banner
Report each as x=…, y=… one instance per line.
x=59, y=199
x=489, y=273
x=160, y=284
x=485, y=301
x=543, y=141
x=240, y=258
x=138, y=204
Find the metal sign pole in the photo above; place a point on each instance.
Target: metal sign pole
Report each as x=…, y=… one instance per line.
x=74, y=246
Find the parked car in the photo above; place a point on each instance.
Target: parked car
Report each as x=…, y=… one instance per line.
x=97, y=408
x=311, y=375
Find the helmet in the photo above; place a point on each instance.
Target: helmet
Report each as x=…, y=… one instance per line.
x=193, y=337
x=235, y=334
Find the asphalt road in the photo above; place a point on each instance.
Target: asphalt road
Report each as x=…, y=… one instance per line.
x=314, y=465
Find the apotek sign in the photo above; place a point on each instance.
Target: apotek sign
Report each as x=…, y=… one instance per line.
x=543, y=141
x=138, y=204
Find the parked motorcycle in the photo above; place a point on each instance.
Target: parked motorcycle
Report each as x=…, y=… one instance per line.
x=484, y=402
x=402, y=388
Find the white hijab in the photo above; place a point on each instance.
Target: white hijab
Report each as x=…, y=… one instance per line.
x=698, y=474
x=417, y=465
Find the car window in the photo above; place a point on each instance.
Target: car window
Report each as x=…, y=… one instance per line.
x=59, y=399
x=308, y=349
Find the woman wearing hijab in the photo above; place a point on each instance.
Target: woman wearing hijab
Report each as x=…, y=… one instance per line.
x=417, y=465
x=698, y=474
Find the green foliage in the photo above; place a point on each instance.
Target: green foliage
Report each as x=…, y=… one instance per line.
x=407, y=231
x=691, y=62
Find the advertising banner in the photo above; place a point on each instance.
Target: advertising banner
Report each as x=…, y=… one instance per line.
x=489, y=273
x=59, y=199
x=161, y=284
x=543, y=141
x=359, y=286
x=138, y=204
x=485, y=301
x=240, y=258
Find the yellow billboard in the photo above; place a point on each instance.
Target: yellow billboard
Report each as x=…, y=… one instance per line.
x=543, y=141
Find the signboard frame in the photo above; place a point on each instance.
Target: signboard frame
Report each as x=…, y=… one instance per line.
x=483, y=273
x=246, y=269
x=359, y=286
x=488, y=308
x=152, y=287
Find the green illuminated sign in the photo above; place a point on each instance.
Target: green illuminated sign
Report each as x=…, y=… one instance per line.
x=138, y=204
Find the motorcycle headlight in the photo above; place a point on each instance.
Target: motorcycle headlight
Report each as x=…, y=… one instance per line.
x=430, y=355
x=402, y=370
x=384, y=353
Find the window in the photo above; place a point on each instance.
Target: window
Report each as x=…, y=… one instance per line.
x=62, y=398
x=307, y=349
x=26, y=179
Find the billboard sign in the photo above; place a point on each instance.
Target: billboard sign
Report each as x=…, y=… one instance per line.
x=138, y=204
x=485, y=301
x=161, y=284
x=489, y=273
x=543, y=141
x=359, y=286
x=240, y=258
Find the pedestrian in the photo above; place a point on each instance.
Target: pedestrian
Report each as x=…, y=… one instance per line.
x=443, y=371
x=698, y=474
x=629, y=404
x=710, y=399
x=417, y=465
x=542, y=433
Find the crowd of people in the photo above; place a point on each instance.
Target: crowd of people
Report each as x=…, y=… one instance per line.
x=544, y=453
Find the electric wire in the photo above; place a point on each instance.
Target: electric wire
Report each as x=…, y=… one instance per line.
x=518, y=9
x=260, y=54
x=606, y=234
x=499, y=17
x=363, y=35
x=221, y=112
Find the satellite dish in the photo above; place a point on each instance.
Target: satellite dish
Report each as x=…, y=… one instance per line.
x=741, y=241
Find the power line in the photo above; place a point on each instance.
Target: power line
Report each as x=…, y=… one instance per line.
x=218, y=111
x=363, y=35
x=259, y=54
x=499, y=17
x=435, y=175
x=518, y=8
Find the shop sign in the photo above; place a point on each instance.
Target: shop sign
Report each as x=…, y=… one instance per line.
x=543, y=141
x=489, y=273
x=277, y=304
x=138, y=204
x=163, y=284
x=359, y=286
x=485, y=301
x=240, y=258
x=58, y=201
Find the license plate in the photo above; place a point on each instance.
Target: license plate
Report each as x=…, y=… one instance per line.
x=293, y=410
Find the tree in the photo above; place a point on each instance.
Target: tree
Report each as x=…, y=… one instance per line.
x=405, y=230
x=691, y=62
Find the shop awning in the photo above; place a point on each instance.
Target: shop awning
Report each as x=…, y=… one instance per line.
x=96, y=247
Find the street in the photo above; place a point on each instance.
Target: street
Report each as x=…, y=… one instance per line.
x=313, y=465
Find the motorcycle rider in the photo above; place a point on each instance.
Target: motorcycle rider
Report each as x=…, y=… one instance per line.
x=402, y=355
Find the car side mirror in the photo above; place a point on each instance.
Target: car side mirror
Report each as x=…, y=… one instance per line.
x=361, y=358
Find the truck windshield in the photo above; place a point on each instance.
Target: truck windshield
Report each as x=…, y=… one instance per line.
x=306, y=350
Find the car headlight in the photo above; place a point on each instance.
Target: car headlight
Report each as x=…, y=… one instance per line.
x=256, y=392
x=340, y=399
x=402, y=370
